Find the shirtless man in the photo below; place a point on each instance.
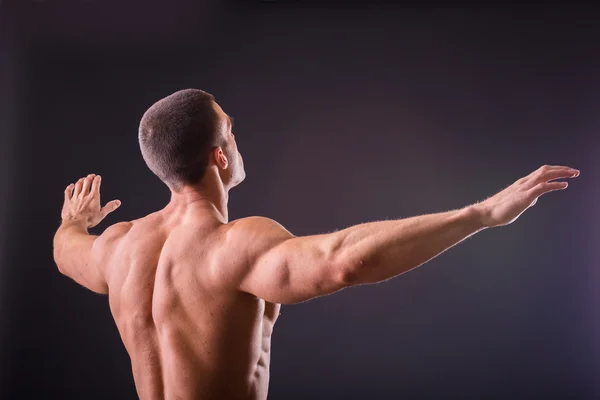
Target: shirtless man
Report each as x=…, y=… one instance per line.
x=195, y=296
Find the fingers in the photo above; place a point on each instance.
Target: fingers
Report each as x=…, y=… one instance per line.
x=78, y=187
x=82, y=187
x=96, y=185
x=552, y=175
x=546, y=187
x=539, y=182
x=547, y=173
x=69, y=192
x=110, y=207
x=87, y=181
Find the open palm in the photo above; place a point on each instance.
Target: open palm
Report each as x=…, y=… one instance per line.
x=82, y=202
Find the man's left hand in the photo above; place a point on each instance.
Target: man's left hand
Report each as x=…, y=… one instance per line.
x=82, y=202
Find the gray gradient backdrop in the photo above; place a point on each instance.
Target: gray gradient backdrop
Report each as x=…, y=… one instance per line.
x=344, y=114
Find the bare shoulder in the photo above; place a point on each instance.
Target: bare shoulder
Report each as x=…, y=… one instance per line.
x=116, y=231
x=256, y=233
x=245, y=241
x=105, y=245
x=259, y=226
x=111, y=236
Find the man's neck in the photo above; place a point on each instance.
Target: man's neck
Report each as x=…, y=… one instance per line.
x=213, y=197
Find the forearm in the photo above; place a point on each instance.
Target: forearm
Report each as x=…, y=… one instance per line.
x=377, y=251
x=70, y=235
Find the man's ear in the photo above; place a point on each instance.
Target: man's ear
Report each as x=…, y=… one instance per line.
x=220, y=158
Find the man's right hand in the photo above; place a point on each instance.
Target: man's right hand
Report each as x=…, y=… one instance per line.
x=506, y=206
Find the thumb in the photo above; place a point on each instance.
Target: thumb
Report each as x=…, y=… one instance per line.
x=111, y=206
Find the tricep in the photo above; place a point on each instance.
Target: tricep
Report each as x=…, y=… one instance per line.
x=283, y=268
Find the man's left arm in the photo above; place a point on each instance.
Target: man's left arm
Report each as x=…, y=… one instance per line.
x=76, y=252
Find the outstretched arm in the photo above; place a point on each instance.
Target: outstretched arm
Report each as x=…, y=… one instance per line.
x=287, y=269
x=76, y=252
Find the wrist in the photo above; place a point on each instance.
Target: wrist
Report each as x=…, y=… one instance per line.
x=74, y=222
x=476, y=214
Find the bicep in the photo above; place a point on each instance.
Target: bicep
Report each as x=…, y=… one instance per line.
x=289, y=269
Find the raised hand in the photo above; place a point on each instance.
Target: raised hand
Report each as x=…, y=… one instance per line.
x=506, y=206
x=82, y=202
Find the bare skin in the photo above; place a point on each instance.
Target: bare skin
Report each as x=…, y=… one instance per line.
x=195, y=297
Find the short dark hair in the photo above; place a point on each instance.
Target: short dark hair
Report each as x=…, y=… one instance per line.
x=177, y=134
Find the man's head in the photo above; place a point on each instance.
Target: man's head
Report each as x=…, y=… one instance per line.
x=187, y=136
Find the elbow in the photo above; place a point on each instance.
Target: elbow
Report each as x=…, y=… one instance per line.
x=350, y=273
x=55, y=252
x=348, y=269
x=59, y=266
x=57, y=262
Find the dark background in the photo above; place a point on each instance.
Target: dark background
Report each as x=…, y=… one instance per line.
x=344, y=114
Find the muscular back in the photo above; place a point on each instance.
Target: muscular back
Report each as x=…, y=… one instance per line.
x=189, y=333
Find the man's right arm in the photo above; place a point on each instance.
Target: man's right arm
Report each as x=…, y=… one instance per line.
x=289, y=269
x=282, y=268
